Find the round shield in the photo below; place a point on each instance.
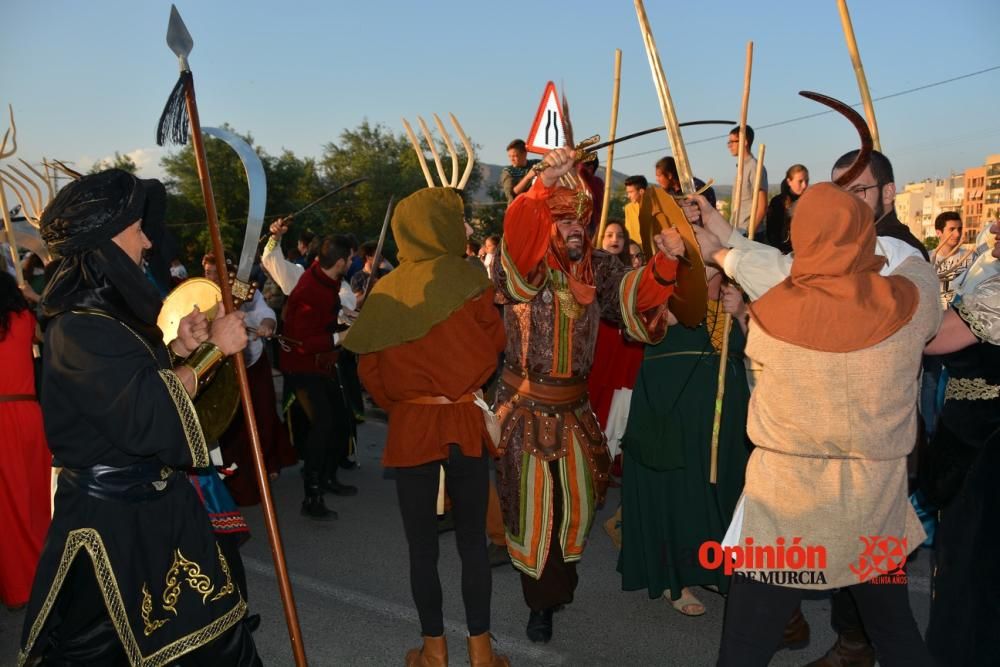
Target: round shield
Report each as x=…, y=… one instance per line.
x=658, y=210
x=216, y=404
x=200, y=292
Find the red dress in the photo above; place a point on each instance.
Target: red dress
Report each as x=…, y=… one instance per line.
x=616, y=365
x=25, y=464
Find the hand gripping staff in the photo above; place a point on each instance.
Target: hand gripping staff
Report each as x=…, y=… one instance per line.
x=182, y=108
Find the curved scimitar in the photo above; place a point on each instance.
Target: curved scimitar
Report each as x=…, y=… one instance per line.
x=470, y=154
x=419, y=152
x=257, y=182
x=434, y=153
x=451, y=151
x=864, y=132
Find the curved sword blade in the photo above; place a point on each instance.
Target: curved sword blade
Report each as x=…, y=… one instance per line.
x=257, y=182
x=864, y=132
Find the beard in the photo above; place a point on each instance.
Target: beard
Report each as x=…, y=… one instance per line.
x=575, y=254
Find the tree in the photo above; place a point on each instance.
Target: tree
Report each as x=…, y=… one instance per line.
x=391, y=166
x=119, y=161
x=386, y=160
x=931, y=242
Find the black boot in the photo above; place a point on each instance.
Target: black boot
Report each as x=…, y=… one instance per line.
x=336, y=488
x=540, y=625
x=313, y=505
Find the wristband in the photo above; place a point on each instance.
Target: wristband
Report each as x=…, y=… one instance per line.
x=203, y=363
x=658, y=278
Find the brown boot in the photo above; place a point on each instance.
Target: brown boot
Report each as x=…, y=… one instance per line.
x=796, y=631
x=850, y=650
x=434, y=653
x=481, y=653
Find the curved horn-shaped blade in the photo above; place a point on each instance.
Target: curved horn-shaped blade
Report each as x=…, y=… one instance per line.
x=257, y=182
x=451, y=151
x=470, y=154
x=434, y=154
x=420, y=153
x=865, y=154
x=12, y=133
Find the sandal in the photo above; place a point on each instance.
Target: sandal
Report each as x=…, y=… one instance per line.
x=686, y=604
x=613, y=527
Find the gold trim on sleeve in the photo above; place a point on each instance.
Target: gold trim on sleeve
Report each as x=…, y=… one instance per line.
x=189, y=419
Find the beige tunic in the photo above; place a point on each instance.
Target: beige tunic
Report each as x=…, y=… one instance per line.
x=832, y=432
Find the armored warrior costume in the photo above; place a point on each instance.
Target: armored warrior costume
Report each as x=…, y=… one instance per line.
x=553, y=469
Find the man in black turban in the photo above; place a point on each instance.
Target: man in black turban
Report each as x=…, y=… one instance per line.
x=130, y=571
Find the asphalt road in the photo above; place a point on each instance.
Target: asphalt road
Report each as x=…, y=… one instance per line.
x=352, y=593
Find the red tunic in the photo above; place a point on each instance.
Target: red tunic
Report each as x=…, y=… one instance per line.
x=310, y=318
x=25, y=465
x=616, y=365
x=456, y=357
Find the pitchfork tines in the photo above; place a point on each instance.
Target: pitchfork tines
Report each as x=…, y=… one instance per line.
x=454, y=181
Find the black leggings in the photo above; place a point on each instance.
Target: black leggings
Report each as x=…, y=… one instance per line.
x=322, y=400
x=466, y=480
x=756, y=614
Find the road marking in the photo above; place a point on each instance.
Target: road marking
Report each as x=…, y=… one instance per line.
x=505, y=644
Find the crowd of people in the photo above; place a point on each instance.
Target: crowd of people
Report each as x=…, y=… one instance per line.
x=859, y=417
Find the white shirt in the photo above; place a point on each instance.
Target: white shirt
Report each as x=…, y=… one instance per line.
x=256, y=311
x=758, y=267
x=285, y=274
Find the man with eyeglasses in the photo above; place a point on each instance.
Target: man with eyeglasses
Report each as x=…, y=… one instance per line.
x=758, y=267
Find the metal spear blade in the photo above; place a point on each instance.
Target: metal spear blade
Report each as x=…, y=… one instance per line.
x=178, y=38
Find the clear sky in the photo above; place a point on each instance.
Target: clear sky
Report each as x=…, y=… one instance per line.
x=87, y=79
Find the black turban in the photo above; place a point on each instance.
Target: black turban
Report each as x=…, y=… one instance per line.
x=97, y=207
x=92, y=272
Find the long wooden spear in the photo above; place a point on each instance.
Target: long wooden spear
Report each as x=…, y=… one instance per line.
x=755, y=198
x=173, y=124
x=859, y=72
x=609, y=162
x=727, y=320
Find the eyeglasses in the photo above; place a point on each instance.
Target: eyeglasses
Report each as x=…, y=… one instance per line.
x=860, y=190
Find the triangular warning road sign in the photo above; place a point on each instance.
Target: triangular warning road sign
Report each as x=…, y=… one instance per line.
x=547, y=130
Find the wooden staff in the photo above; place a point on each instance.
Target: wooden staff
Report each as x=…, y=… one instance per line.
x=727, y=320
x=180, y=43
x=606, y=203
x=859, y=72
x=752, y=227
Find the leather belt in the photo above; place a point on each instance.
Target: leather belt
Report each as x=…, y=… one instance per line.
x=10, y=398
x=552, y=391
x=136, y=483
x=440, y=400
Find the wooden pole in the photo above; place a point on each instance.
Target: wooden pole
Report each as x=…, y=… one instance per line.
x=609, y=162
x=734, y=219
x=267, y=504
x=859, y=72
x=752, y=226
